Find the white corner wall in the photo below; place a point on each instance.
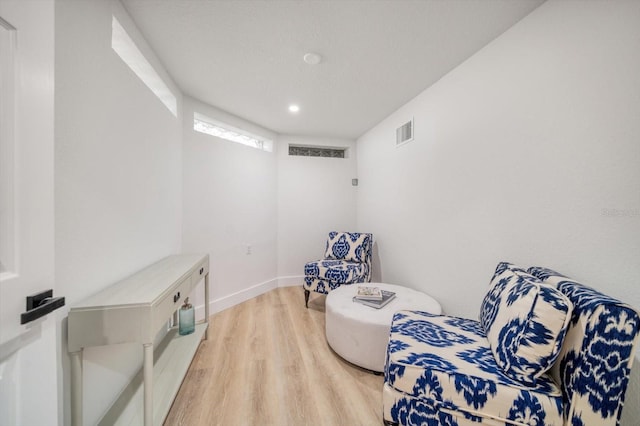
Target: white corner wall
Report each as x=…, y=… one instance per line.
x=315, y=196
x=229, y=205
x=117, y=179
x=527, y=152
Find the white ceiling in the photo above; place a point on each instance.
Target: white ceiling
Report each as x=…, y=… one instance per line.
x=245, y=57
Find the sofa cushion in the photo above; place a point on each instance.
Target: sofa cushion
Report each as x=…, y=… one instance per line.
x=525, y=322
x=349, y=246
x=446, y=362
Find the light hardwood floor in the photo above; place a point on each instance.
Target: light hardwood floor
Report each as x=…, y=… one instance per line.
x=267, y=362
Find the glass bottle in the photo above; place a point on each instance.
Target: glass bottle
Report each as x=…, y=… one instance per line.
x=187, y=318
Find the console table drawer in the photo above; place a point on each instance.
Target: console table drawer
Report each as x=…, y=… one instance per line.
x=201, y=270
x=172, y=302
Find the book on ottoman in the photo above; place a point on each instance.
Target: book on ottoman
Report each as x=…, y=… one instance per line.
x=368, y=293
x=387, y=296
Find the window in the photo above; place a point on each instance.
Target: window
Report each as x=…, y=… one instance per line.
x=316, y=151
x=131, y=55
x=204, y=124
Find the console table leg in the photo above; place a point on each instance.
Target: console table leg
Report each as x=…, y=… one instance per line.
x=206, y=305
x=76, y=388
x=148, y=384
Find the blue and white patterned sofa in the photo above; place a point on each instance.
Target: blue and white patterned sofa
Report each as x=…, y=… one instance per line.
x=347, y=260
x=546, y=351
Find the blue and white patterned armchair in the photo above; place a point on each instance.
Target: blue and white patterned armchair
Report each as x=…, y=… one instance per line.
x=347, y=261
x=546, y=351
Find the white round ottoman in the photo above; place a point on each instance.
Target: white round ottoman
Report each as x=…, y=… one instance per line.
x=359, y=333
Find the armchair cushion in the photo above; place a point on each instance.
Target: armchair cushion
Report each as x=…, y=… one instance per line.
x=349, y=246
x=338, y=271
x=525, y=322
x=444, y=364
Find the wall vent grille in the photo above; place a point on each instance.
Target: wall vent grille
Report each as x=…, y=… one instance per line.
x=315, y=151
x=404, y=133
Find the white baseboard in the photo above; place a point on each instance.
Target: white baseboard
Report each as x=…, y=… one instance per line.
x=291, y=281
x=238, y=297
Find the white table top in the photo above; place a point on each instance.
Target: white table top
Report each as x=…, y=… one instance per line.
x=142, y=288
x=341, y=301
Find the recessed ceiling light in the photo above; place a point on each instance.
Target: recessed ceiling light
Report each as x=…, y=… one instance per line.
x=312, y=58
x=294, y=108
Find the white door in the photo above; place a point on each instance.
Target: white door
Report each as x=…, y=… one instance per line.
x=29, y=364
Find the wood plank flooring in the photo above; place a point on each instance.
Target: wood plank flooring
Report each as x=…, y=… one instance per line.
x=267, y=362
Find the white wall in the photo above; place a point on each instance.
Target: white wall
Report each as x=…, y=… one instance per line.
x=229, y=203
x=118, y=178
x=527, y=152
x=520, y=153
x=315, y=196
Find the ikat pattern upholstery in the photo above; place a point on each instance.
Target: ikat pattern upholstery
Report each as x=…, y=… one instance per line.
x=525, y=322
x=595, y=361
x=347, y=261
x=347, y=246
x=442, y=370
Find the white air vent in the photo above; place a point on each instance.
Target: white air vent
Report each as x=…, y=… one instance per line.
x=404, y=133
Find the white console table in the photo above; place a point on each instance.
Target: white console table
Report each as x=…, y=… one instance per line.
x=134, y=310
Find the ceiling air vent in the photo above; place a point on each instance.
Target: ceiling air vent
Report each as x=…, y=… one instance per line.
x=404, y=133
